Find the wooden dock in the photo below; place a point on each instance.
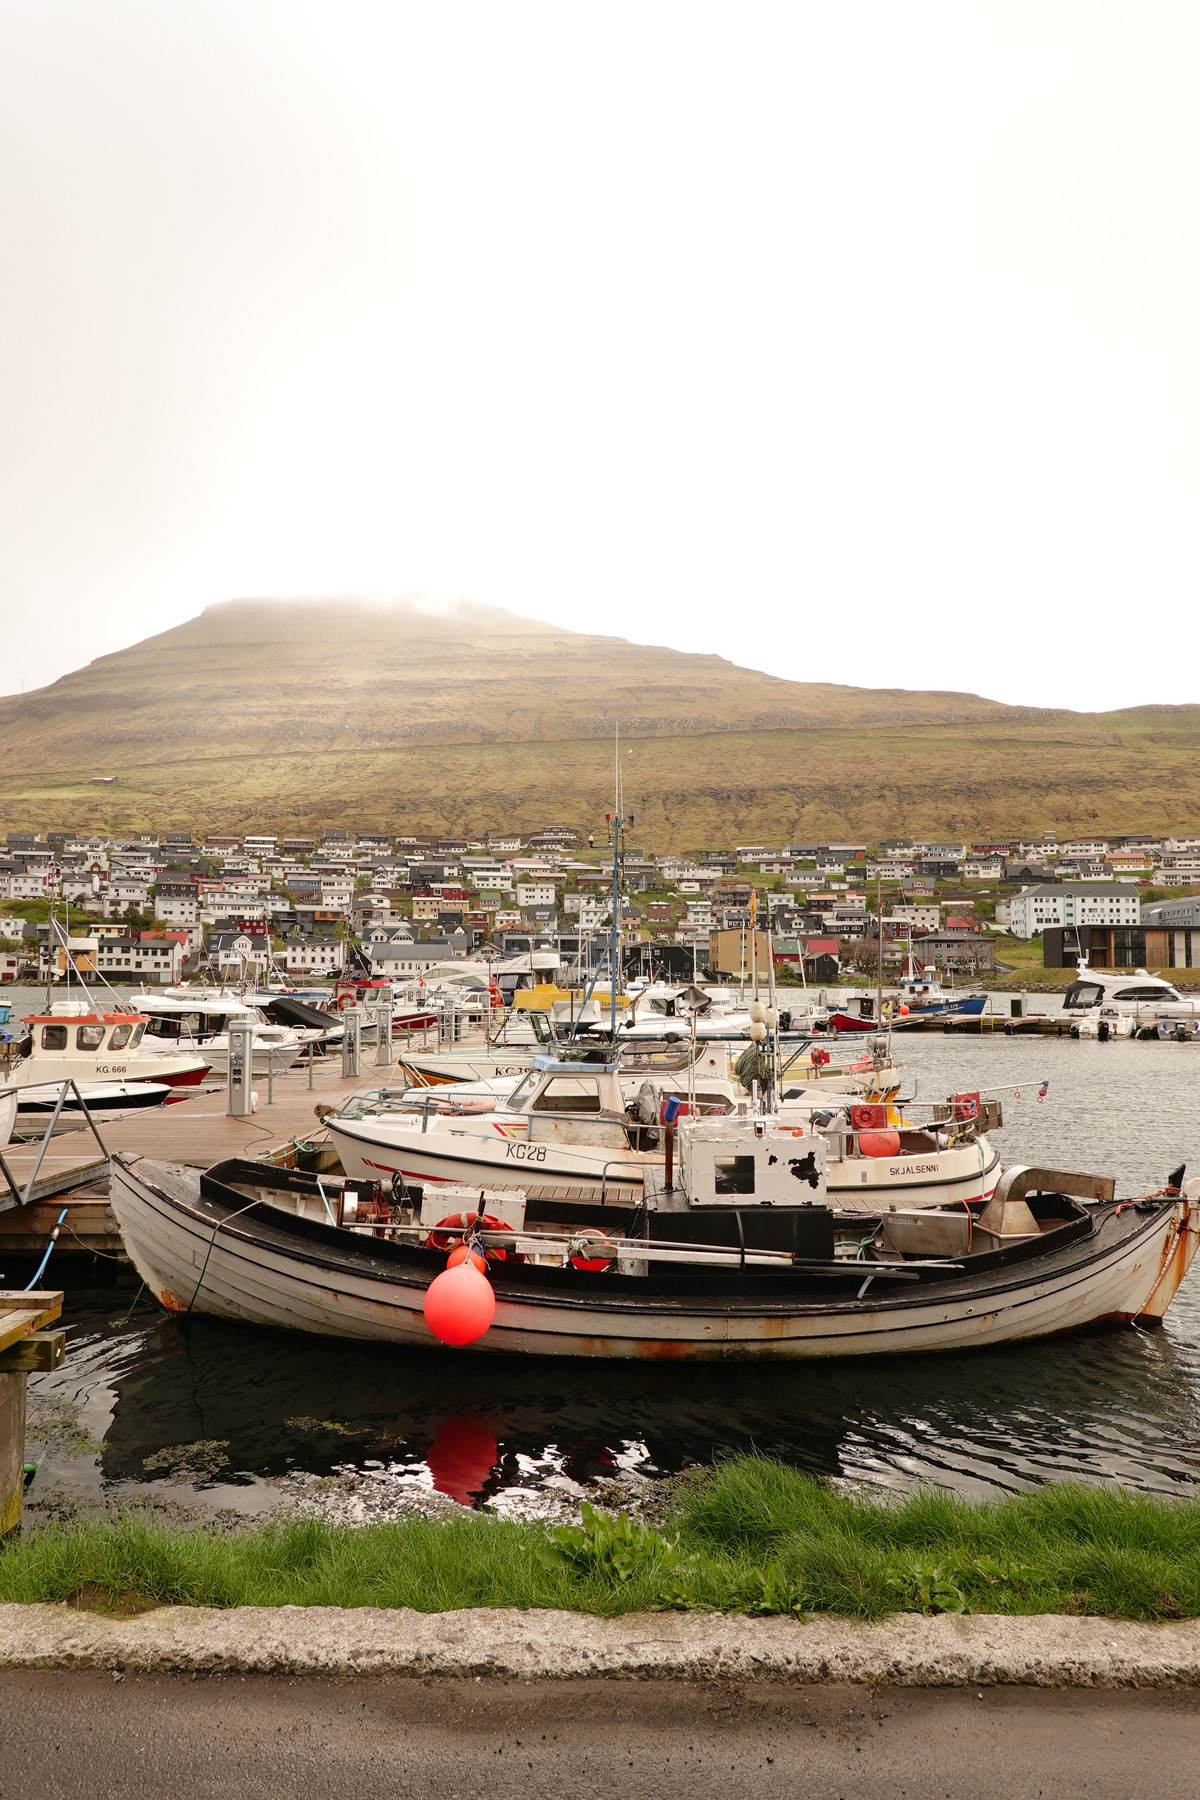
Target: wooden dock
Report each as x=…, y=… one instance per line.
x=25, y=1346
x=197, y=1131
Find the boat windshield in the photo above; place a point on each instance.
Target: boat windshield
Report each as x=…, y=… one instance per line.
x=1083, y=993
x=524, y=1090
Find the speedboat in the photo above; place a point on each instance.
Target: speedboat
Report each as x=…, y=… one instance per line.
x=743, y=1256
x=196, y=1023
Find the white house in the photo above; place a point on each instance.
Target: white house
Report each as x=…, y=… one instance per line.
x=921, y=918
x=1035, y=909
x=154, y=959
x=314, y=956
x=535, y=893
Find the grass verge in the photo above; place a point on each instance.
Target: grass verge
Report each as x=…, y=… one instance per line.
x=754, y=1537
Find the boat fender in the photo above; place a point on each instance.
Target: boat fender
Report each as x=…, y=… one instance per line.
x=465, y=1252
x=682, y=1110
x=879, y=1143
x=591, y=1265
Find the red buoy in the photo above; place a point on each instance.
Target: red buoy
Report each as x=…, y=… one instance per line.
x=460, y=1254
x=879, y=1143
x=460, y=1304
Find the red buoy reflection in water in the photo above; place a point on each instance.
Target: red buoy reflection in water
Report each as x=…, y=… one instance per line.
x=461, y=1457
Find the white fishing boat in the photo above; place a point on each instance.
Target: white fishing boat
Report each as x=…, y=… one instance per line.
x=97, y=1096
x=745, y=1258
x=73, y=1040
x=575, y=1123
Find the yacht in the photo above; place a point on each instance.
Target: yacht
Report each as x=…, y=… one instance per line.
x=1123, y=1003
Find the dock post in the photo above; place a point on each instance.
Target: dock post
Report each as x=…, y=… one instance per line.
x=310, y=1065
x=12, y=1451
x=270, y=1074
x=34, y=1349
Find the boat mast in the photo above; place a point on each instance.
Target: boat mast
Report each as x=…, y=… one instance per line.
x=879, y=970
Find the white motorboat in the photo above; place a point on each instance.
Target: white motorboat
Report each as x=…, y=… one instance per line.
x=74, y=1040
x=579, y=1123
x=1102, y=997
x=744, y=1258
x=196, y=1023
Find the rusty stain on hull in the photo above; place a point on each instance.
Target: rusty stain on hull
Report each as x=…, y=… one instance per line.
x=1177, y=1260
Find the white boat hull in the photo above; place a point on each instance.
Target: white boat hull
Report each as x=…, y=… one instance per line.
x=374, y=1147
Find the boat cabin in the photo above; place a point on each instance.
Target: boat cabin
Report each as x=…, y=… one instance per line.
x=72, y=1028
x=556, y=1086
x=1130, y=990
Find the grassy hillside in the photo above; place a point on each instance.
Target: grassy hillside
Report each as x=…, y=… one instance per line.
x=290, y=716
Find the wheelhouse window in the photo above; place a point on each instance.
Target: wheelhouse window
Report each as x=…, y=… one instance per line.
x=120, y=1037
x=54, y=1037
x=523, y=1092
x=568, y=1093
x=1083, y=993
x=89, y=1037
x=1145, y=993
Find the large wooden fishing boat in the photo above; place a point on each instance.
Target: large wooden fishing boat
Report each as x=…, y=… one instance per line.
x=745, y=1259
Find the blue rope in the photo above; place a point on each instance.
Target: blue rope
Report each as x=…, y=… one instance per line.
x=49, y=1247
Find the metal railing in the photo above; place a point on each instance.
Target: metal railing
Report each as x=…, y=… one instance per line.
x=69, y=1085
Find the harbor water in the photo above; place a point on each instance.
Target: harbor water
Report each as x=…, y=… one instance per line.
x=193, y=1413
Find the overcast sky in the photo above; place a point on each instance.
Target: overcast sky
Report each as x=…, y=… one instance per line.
x=855, y=342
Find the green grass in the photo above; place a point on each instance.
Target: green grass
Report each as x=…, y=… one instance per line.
x=753, y=1536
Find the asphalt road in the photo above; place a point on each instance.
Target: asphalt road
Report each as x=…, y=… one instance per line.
x=310, y=1738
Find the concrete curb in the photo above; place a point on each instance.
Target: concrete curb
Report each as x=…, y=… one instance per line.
x=950, y=1651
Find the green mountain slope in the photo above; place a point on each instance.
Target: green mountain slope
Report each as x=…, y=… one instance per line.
x=293, y=715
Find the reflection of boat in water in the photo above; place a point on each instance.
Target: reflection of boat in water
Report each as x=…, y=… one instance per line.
x=743, y=1259
x=1111, y=1406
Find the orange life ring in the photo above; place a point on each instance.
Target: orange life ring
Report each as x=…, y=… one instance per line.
x=440, y=1239
x=345, y=1000
x=593, y=1265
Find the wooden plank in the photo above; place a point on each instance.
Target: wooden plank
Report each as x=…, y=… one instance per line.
x=35, y=1354
x=45, y=1306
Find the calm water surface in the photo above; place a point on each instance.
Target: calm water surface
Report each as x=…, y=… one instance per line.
x=1109, y=1406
